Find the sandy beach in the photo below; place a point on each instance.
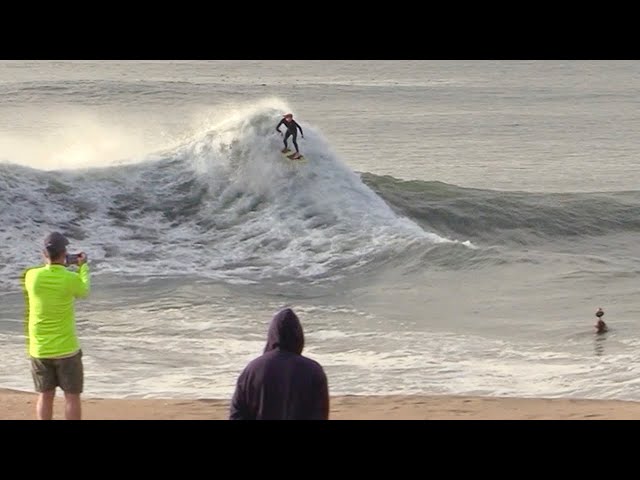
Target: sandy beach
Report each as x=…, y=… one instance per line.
x=15, y=405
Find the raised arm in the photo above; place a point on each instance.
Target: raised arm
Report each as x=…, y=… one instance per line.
x=81, y=283
x=23, y=282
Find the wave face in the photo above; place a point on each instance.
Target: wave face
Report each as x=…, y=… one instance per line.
x=497, y=218
x=225, y=205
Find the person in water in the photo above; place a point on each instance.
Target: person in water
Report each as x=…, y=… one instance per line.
x=292, y=131
x=600, y=326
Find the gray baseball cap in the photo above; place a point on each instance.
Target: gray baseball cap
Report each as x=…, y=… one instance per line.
x=56, y=242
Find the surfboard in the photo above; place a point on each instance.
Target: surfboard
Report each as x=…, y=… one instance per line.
x=289, y=156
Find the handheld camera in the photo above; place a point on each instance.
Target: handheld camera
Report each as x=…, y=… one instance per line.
x=72, y=259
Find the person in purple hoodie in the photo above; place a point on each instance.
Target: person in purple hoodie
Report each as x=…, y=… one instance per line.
x=282, y=384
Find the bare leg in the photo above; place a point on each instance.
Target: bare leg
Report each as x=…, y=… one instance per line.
x=44, y=406
x=72, y=406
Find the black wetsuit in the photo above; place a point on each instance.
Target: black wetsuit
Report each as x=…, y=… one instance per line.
x=292, y=131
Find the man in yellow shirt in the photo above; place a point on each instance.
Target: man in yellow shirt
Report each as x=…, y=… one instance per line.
x=50, y=327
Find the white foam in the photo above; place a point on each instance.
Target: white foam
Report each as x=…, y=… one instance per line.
x=265, y=216
x=78, y=138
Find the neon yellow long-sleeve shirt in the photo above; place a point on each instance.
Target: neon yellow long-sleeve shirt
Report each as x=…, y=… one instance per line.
x=50, y=293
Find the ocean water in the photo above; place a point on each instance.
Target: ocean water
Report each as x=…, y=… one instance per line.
x=453, y=230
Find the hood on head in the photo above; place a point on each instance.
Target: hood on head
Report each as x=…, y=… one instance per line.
x=285, y=332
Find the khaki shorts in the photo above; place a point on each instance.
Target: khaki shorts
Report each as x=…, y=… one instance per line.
x=66, y=373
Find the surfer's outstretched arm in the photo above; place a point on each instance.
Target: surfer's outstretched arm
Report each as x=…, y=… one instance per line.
x=300, y=128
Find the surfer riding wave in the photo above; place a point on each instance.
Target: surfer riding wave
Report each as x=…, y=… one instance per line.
x=292, y=131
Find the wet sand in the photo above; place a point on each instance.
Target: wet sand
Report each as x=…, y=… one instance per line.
x=15, y=405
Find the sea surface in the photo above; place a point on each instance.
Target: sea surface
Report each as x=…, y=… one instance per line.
x=453, y=229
